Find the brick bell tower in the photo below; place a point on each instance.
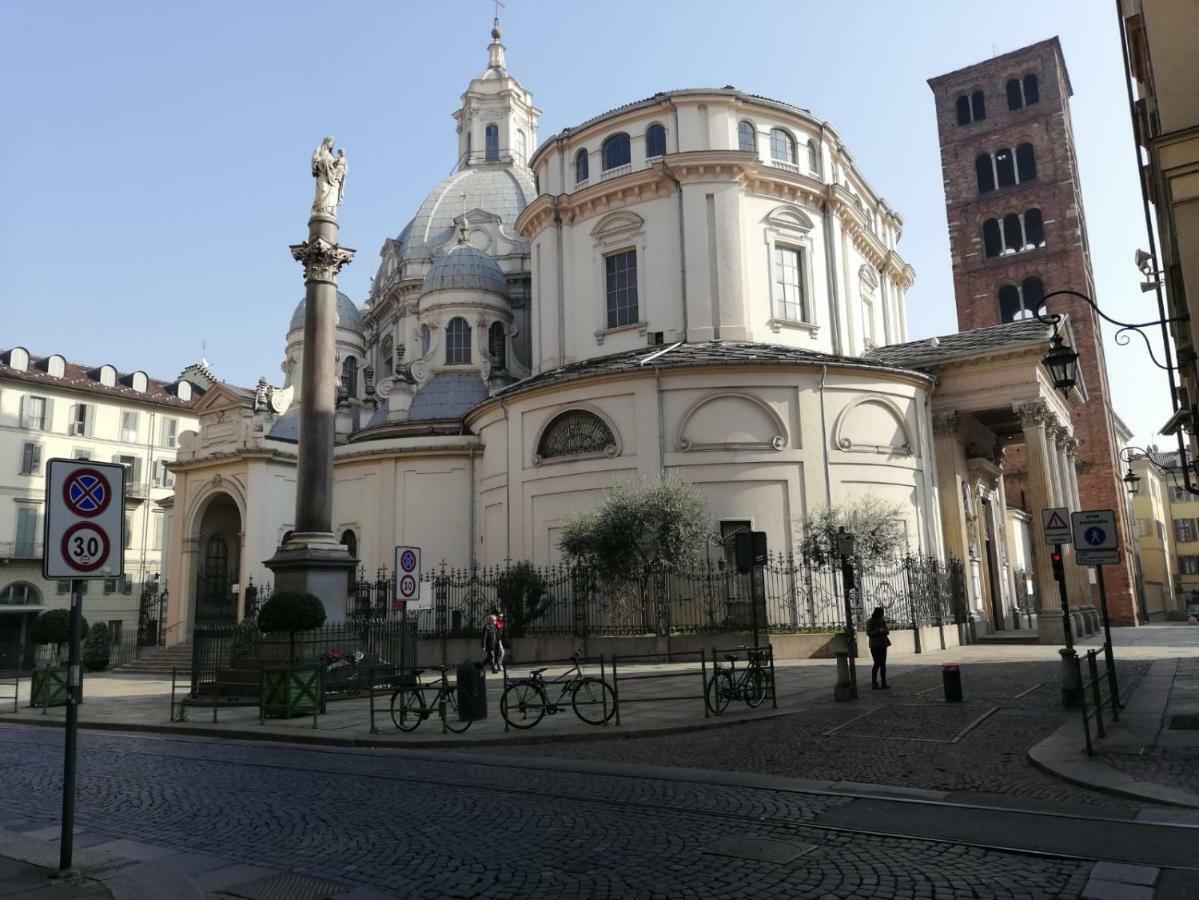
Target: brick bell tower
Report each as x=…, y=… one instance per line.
x=1017, y=231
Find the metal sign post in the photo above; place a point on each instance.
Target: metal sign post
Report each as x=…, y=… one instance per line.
x=1095, y=530
x=83, y=537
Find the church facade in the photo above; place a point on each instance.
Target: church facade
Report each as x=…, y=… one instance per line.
x=701, y=282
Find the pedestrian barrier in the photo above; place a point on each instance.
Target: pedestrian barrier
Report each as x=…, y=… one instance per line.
x=1092, y=706
x=692, y=656
x=754, y=683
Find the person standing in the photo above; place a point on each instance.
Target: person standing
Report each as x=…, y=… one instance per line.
x=501, y=625
x=492, y=646
x=876, y=632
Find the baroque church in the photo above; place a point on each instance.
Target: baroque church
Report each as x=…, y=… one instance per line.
x=700, y=282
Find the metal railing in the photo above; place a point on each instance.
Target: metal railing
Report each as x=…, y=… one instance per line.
x=20, y=549
x=1098, y=690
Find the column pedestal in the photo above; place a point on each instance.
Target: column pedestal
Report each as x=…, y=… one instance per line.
x=314, y=562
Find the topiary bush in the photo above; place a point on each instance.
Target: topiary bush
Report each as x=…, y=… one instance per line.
x=53, y=627
x=97, y=648
x=291, y=611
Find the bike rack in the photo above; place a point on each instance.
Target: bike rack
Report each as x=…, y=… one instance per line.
x=767, y=651
x=571, y=660
x=670, y=656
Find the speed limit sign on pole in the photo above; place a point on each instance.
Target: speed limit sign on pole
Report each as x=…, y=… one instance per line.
x=85, y=519
x=407, y=577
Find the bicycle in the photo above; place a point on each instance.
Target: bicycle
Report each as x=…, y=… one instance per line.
x=525, y=702
x=748, y=684
x=409, y=709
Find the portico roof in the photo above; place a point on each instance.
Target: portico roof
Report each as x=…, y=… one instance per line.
x=938, y=350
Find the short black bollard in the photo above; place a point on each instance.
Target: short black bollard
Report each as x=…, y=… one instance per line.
x=951, y=677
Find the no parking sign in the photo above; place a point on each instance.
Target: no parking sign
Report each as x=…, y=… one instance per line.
x=407, y=577
x=84, y=529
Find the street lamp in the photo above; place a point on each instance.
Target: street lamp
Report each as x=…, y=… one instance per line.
x=1132, y=481
x=1062, y=363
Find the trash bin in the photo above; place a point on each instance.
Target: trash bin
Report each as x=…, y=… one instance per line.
x=472, y=691
x=951, y=677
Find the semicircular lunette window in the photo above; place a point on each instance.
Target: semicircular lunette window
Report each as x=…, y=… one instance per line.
x=576, y=433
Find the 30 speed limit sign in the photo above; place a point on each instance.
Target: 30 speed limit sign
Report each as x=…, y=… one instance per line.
x=85, y=504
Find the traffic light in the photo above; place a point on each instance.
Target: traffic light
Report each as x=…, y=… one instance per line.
x=1058, y=570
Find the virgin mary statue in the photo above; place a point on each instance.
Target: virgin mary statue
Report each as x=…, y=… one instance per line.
x=330, y=174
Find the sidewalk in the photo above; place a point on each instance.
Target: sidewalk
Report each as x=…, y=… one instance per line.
x=1152, y=753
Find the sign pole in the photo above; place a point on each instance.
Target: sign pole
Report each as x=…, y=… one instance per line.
x=67, y=841
x=1113, y=683
x=1061, y=589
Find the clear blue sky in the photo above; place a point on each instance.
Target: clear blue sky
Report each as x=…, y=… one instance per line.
x=158, y=152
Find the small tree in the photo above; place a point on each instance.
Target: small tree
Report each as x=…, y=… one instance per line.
x=522, y=594
x=53, y=627
x=97, y=648
x=877, y=527
x=638, y=531
x=291, y=611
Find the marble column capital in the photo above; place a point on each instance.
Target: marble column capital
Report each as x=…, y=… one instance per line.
x=1034, y=414
x=321, y=260
x=1071, y=448
x=946, y=424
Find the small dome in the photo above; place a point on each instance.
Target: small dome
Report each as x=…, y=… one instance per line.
x=348, y=316
x=465, y=268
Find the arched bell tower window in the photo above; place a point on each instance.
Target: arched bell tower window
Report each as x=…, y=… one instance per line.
x=576, y=432
x=457, y=342
x=491, y=138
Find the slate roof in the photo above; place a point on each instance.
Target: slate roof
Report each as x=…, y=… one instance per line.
x=923, y=353
x=348, y=315
x=447, y=396
x=465, y=268
x=79, y=377
x=287, y=426
x=695, y=354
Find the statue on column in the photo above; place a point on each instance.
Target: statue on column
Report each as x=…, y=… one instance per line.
x=330, y=174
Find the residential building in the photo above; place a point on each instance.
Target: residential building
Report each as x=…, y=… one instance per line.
x=1153, y=513
x=52, y=408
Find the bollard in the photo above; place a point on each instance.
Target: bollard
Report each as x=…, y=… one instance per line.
x=845, y=688
x=1071, y=679
x=951, y=678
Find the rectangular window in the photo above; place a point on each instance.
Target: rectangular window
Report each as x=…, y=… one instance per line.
x=129, y=427
x=1179, y=494
x=33, y=413
x=789, y=284
x=27, y=531
x=868, y=320
x=1188, y=565
x=1144, y=528
x=132, y=467
x=621, y=279
x=81, y=453
x=110, y=585
x=1184, y=530
x=31, y=458
x=114, y=631
x=79, y=420
x=170, y=432
x=128, y=531
x=159, y=530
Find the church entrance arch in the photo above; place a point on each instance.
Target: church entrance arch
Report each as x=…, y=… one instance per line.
x=218, y=541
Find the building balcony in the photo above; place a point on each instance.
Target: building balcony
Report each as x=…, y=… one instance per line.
x=18, y=550
x=616, y=172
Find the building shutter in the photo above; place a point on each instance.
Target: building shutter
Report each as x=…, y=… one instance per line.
x=48, y=417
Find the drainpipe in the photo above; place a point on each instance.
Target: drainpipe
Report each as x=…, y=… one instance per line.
x=830, y=259
x=661, y=424
x=507, y=481
x=828, y=478
x=473, y=530
x=682, y=227
x=561, y=277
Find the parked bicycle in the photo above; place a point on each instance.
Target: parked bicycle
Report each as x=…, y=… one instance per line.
x=728, y=684
x=409, y=708
x=526, y=701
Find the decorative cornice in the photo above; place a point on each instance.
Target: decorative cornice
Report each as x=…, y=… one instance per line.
x=321, y=260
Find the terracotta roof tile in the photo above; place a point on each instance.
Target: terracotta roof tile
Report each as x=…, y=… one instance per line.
x=78, y=377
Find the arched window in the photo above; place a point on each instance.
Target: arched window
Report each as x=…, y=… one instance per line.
x=1032, y=92
x=992, y=240
x=497, y=346
x=747, y=136
x=813, y=158
x=1015, y=97
x=1005, y=168
x=426, y=340
x=349, y=540
x=1034, y=229
x=576, y=432
x=1013, y=234
x=978, y=107
x=1032, y=290
x=491, y=136
x=615, y=152
x=1026, y=163
x=782, y=146
x=964, y=110
x=521, y=147
x=581, y=170
x=986, y=174
x=1023, y=302
x=387, y=357
x=1010, y=308
x=349, y=376
x=216, y=557
x=655, y=141
x=457, y=342
x=20, y=594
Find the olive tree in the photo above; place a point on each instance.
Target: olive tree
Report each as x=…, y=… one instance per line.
x=877, y=527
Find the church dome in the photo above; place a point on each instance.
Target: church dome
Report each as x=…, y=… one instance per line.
x=465, y=268
x=502, y=190
x=348, y=316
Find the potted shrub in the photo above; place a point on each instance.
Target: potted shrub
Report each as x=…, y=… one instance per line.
x=97, y=648
x=49, y=682
x=297, y=688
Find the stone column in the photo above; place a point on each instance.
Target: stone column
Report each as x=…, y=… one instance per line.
x=947, y=450
x=1087, y=597
x=1034, y=418
x=312, y=560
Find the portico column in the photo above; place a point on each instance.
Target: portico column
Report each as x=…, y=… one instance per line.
x=953, y=516
x=1034, y=417
x=1086, y=598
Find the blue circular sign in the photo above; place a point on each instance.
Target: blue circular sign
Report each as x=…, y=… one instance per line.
x=86, y=493
x=407, y=560
x=1095, y=536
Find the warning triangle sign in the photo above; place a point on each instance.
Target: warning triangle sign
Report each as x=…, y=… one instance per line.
x=1055, y=521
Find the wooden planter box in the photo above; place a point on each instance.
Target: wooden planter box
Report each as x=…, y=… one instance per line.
x=48, y=687
x=294, y=690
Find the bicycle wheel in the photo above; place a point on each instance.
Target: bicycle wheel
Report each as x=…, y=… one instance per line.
x=720, y=691
x=407, y=708
x=755, y=688
x=523, y=704
x=594, y=701
x=450, y=712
